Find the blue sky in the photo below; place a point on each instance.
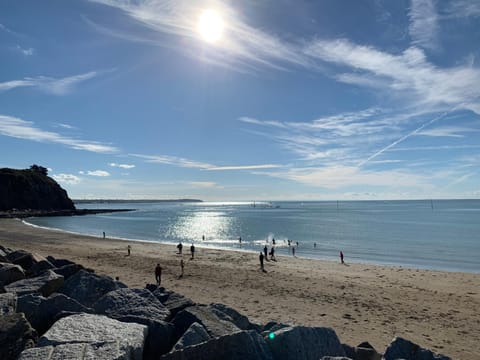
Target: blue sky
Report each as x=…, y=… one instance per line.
x=291, y=100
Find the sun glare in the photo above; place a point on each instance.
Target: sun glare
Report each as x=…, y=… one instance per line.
x=210, y=26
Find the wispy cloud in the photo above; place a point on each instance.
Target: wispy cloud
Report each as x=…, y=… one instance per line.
x=187, y=163
x=408, y=74
x=122, y=166
x=243, y=43
x=99, y=173
x=26, y=52
x=55, y=86
x=448, y=131
x=463, y=8
x=203, y=184
x=424, y=24
x=22, y=129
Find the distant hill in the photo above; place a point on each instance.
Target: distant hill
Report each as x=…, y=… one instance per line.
x=133, y=201
x=31, y=189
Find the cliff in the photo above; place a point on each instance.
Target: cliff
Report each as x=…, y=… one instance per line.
x=31, y=189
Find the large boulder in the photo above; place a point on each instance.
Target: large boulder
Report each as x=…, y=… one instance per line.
x=87, y=288
x=131, y=302
x=400, y=348
x=40, y=267
x=227, y=313
x=8, y=303
x=302, y=342
x=203, y=315
x=10, y=273
x=125, y=340
x=68, y=270
x=26, y=260
x=45, y=284
x=59, y=262
x=41, y=312
x=242, y=345
x=176, y=302
x=363, y=351
x=194, y=335
x=16, y=334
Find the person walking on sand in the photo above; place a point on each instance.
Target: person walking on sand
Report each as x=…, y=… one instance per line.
x=179, y=247
x=272, y=254
x=192, y=251
x=261, y=261
x=341, y=257
x=182, y=265
x=158, y=274
x=128, y=250
x=265, y=251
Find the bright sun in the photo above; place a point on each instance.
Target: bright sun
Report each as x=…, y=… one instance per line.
x=210, y=26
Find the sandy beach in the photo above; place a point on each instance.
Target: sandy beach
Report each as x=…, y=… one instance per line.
x=437, y=310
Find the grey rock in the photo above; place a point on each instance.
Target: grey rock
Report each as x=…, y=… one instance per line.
x=151, y=287
x=302, y=342
x=96, y=331
x=16, y=334
x=25, y=259
x=400, y=348
x=45, y=284
x=3, y=255
x=10, y=273
x=194, y=335
x=272, y=326
x=176, y=302
x=131, y=302
x=42, y=353
x=42, y=312
x=364, y=351
x=229, y=314
x=59, y=262
x=68, y=270
x=87, y=288
x=162, y=294
x=202, y=314
x=8, y=303
x=40, y=267
x=242, y=345
x=77, y=351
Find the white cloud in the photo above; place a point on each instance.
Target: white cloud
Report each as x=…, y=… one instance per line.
x=122, y=166
x=408, y=74
x=243, y=167
x=68, y=179
x=100, y=173
x=203, y=184
x=243, y=43
x=463, y=8
x=22, y=129
x=447, y=131
x=424, y=24
x=55, y=86
x=26, y=52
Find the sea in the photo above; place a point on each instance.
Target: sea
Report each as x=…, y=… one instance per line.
x=424, y=234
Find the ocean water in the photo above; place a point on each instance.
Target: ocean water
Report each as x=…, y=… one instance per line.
x=438, y=234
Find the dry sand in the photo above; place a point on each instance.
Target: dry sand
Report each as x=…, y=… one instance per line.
x=437, y=310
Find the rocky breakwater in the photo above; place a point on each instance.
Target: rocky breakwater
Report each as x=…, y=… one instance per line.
x=56, y=309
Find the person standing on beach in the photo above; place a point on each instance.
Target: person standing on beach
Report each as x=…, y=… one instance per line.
x=128, y=250
x=272, y=254
x=104, y=234
x=182, y=265
x=265, y=251
x=203, y=237
x=158, y=274
x=293, y=250
x=261, y=261
x=341, y=257
x=179, y=247
x=192, y=251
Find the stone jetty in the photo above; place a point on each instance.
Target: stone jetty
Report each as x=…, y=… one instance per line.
x=57, y=309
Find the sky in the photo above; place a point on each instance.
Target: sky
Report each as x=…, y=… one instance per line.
x=244, y=100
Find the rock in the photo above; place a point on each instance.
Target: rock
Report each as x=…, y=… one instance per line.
x=176, y=302
x=151, y=287
x=8, y=303
x=302, y=342
x=400, y=348
x=161, y=294
x=335, y=358
x=87, y=288
x=45, y=284
x=16, y=334
x=242, y=345
x=98, y=334
x=160, y=336
x=194, y=335
x=272, y=326
x=214, y=326
x=68, y=270
x=58, y=263
x=131, y=302
x=41, y=312
x=43, y=353
x=10, y=273
x=3, y=255
x=25, y=259
x=227, y=313
x=40, y=267
x=364, y=351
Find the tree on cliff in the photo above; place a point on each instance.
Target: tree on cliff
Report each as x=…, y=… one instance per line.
x=39, y=169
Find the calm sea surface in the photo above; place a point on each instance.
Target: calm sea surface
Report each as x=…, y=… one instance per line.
x=442, y=235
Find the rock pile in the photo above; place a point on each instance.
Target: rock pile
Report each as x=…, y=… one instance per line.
x=56, y=309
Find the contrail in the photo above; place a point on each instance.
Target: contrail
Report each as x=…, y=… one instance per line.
x=408, y=135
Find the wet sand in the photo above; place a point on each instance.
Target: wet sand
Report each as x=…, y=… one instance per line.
x=362, y=302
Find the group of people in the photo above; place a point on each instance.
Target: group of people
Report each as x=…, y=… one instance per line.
x=192, y=250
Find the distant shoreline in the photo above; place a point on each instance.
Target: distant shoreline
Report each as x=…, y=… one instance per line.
x=21, y=214
x=132, y=201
